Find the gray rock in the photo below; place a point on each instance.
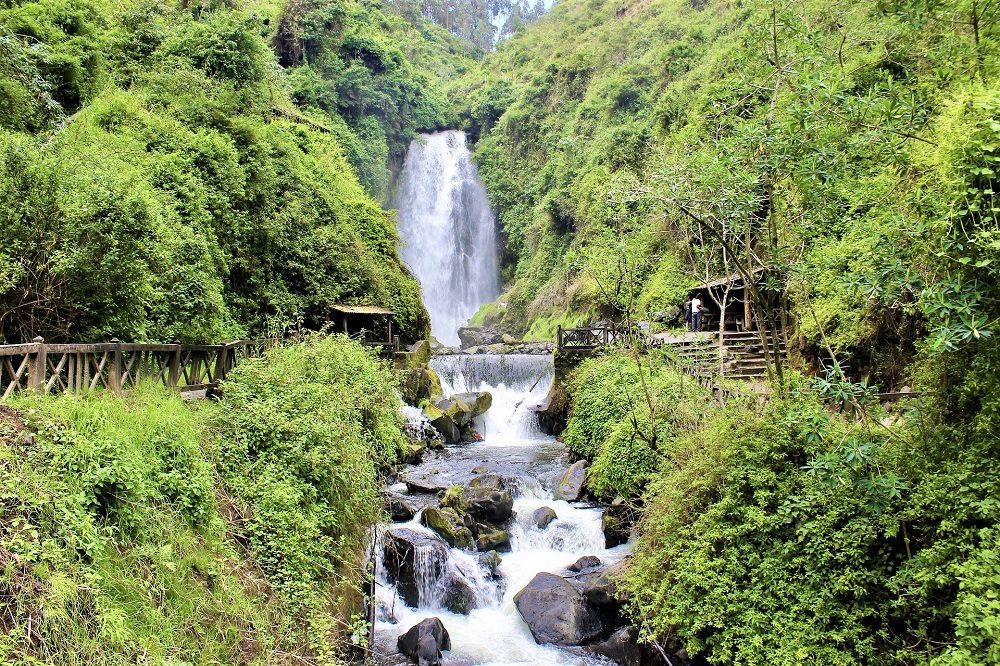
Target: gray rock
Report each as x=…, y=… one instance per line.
x=476, y=336
x=584, y=563
x=463, y=407
x=543, y=516
x=602, y=589
x=489, y=538
x=424, y=642
x=400, y=509
x=571, y=483
x=452, y=526
x=623, y=647
x=556, y=612
x=493, y=506
x=400, y=547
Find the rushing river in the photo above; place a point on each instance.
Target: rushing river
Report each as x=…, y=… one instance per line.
x=493, y=634
x=448, y=237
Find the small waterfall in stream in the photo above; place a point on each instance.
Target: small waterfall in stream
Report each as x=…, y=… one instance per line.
x=493, y=632
x=448, y=232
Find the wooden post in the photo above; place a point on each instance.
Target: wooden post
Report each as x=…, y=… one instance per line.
x=220, y=363
x=559, y=336
x=390, y=330
x=36, y=367
x=174, y=371
x=115, y=371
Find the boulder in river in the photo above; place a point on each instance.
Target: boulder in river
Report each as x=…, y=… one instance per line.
x=443, y=423
x=556, y=612
x=475, y=336
x=601, y=589
x=400, y=559
x=617, y=522
x=420, y=384
x=584, y=563
x=494, y=506
x=489, y=538
x=400, y=509
x=461, y=408
x=571, y=483
x=452, y=526
x=623, y=647
x=543, y=516
x=424, y=642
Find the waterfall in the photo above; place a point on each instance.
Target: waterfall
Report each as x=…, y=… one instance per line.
x=517, y=382
x=448, y=232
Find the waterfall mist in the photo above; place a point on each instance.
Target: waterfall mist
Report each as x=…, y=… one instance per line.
x=448, y=232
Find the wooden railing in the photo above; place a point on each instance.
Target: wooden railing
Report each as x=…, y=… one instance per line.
x=117, y=366
x=589, y=337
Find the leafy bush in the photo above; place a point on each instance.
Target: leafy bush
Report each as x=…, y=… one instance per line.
x=625, y=416
x=112, y=547
x=298, y=440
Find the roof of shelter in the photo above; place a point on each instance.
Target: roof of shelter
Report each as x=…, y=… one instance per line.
x=362, y=309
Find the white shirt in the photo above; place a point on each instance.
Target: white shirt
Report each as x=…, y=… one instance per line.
x=695, y=305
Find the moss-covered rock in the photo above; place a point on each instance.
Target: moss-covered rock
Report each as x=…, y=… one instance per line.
x=453, y=527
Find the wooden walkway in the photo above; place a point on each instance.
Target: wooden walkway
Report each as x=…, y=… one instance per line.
x=118, y=366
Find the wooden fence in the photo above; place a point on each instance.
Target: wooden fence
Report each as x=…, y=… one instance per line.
x=590, y=337
x=117, y=366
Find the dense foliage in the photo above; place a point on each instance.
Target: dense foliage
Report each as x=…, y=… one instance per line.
x=157, y=183
x=142, y=529
x=625, y=415
x=299, y=438
x=822, y=132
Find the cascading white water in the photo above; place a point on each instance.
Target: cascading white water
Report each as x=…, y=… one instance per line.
x=493, y=633
x=448, y=232
x=517, y=382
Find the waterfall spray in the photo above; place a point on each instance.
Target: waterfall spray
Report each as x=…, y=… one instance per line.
x=448, y=232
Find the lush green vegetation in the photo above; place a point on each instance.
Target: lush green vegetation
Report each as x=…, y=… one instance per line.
x=158, y=183
x=142, y=529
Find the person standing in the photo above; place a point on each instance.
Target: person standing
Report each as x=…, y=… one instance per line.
x=696, y=309
x=687, y=312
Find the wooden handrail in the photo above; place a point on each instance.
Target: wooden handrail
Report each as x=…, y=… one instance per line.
x=118, y=366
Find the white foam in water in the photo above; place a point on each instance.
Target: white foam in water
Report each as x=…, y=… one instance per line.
x=517, y=382
x=493, y=633
x=448, y=232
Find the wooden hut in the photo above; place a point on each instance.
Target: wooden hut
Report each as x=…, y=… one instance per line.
x=366, y=323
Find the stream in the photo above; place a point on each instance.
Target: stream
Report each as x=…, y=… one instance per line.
x=493, y=633
x=449, y=241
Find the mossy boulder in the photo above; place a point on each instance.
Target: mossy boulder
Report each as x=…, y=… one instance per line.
x=443, y=423
x=490, y=538
x=452, y=526
x=571, y=484
x=461, y=408
x=419, y=384
x=494, y=506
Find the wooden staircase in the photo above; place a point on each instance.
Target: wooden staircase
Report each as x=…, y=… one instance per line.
x=743, y=354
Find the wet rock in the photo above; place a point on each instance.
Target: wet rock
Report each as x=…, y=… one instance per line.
x=571, y=483
x=452, y=526
x=413, y=452
x=584, y=563
x=400, y=549
x=491, y=538
x=424, y=642
x=623, y=647
x=458, y=595
x=443, y=423
x=602, y=589
x=461, y=408
x=543, y=516
x=556, y=612
x=480, y=469
x=494, y=506
x=553, y=412
x=617, y=522
x=400, y=509
x=495, y=482
x=424, y=485
x=420, y=384
x=475, y=336
x=468, y=434
x=509, y=339
x=490, y=563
